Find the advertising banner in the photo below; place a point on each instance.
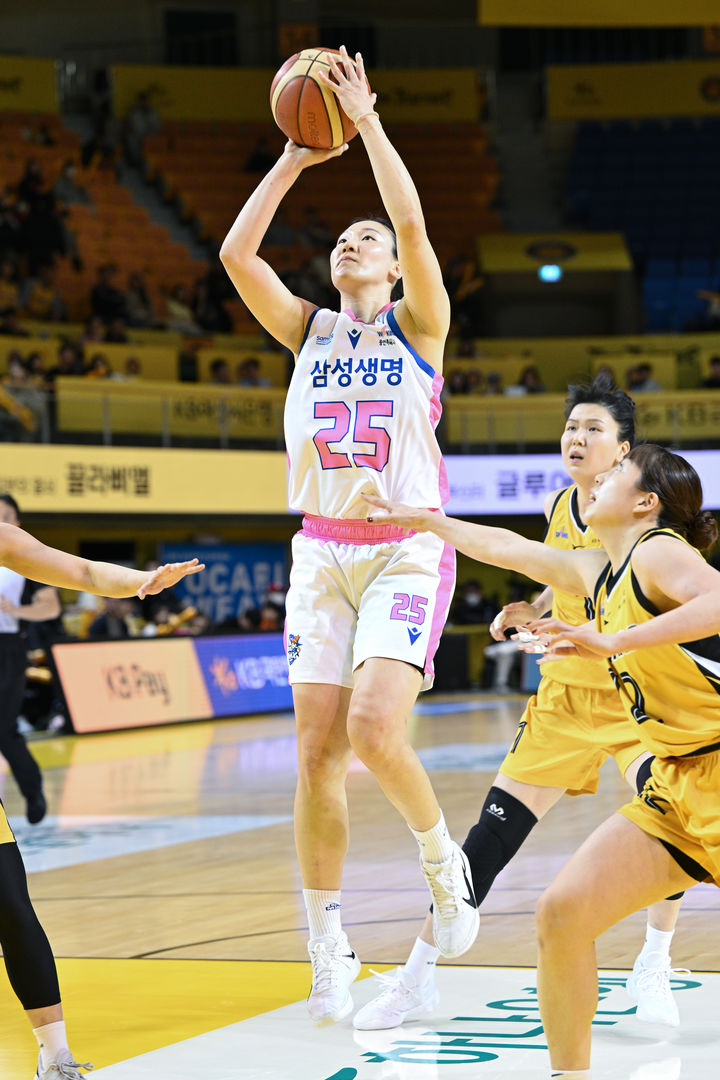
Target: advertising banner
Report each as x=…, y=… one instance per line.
x=126, y=684
x=523, y=252
x=27, y=85
x=236, y=576
x=660, y=88
x=596, y=13
x=245, y=674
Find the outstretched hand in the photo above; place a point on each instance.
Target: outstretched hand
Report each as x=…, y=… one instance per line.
x=519, y=613
x=349, y=84
x=304, y=156
x=168, y=575
x=383, y=512
x=584, y=641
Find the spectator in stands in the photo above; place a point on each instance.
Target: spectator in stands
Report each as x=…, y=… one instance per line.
x=10, y=225
x=260, y=158
x=133, y=368
x=640, y=379
x=220, y=372
x=10, y=324
x=472, y=607
x=464, y=285
x=712, y=382
x=178, y=311
x=22, y=388
x=271, y=620
x=66, y=188
x=137, y=301
x=94, y=331
x=112, y=624
x=141, y=121
x=457, y=382
x=494, y=384
x=247, y=373
x=101, y=149
x=44, y=234
x=99, y=367
x=529, y=382
x=40, y=298
x=41, y=135
x=35, y=364
x=106, y=300
x=475, y=381
x=116, y=331
x=208, y=310
x=32, y=184
x=712, y=313
x=9, y=291
x=70, y=362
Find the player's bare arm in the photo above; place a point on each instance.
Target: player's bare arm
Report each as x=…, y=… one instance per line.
x=283, y=314
x=424, y=312
x=573, y=571
x=27, y=556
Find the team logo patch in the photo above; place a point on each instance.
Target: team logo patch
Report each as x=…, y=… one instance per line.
x=354, y=336
x=561, y=532
x=320, y=340
x=293, y=648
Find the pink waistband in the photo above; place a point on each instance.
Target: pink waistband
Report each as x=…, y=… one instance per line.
x=351, y=530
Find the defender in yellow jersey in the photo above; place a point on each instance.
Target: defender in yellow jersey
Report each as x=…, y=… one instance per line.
x=630, y=861
x=570, y=726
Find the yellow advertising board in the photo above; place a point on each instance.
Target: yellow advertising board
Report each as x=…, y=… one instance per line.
x=663, y=88
x=523, y=252
x=27, y=85
x=243, y=94
x=133, y=480
x=596, y=12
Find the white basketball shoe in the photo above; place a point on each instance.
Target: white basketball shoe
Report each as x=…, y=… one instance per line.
x=399, y=1000
x=455, y=915
x=335, y=967
x=649, y=986
x=64, y=1067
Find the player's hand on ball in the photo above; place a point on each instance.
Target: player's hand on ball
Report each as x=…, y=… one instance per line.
x=305, y=156
x=168, y=575
x=349, y=84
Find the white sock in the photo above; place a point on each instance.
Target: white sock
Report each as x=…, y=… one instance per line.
x=657, y=946
x=323, y=912
x=435, y=844
x=51, y=1039
x=420, y=964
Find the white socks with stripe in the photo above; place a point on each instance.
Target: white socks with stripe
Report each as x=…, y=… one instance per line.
x=51, y=1039
x=323, y=912
x=435, y=844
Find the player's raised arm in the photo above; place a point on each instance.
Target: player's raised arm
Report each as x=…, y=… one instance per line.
x=573, y=571
x=27, y=556
x=424, y=311
x=283, y=314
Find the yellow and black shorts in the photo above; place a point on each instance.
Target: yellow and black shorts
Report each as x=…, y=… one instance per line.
x=566, y=733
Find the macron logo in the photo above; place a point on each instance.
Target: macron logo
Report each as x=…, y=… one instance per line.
x=497, y=811
x=354, y=336
x=414, y=634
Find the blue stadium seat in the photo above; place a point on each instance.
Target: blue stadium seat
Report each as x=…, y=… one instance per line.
x=697, y=266
x=660, y=268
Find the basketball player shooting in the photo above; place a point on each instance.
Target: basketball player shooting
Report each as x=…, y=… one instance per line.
x=366, y=604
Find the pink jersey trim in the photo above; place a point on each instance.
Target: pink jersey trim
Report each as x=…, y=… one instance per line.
x=353, y=316
x=446, y=569
x=351, y=530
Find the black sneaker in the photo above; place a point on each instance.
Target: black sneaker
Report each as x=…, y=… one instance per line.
x=36, y=808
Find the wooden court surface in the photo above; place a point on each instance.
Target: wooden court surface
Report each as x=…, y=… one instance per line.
x=118, y=913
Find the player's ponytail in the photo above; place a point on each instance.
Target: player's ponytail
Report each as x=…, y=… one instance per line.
x=679, y=490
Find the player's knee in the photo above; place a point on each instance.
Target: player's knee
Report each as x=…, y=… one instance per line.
x=556, y=915
x=320, y=764
x=374, y=737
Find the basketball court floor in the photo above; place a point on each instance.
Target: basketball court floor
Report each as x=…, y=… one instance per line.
x=165, y=877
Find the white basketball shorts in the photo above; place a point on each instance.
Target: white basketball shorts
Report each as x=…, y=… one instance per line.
x=359, y=590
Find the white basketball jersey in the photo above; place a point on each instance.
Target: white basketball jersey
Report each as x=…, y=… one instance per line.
x=11, y=587
x=360, y=415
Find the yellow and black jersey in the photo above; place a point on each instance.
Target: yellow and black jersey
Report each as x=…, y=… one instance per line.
x=567, y=530
x=672, y=692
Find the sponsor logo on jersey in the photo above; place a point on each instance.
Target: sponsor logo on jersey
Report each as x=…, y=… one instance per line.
x=561, y=532
x=293, y=648
x=385, y=337
x=320, y=340
x=354, y=336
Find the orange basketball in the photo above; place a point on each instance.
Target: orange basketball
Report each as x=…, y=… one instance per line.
x=305, y=110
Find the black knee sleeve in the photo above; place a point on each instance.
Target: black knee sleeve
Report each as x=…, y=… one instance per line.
x=504, y=825
x=26, y=950
x=643, y=775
